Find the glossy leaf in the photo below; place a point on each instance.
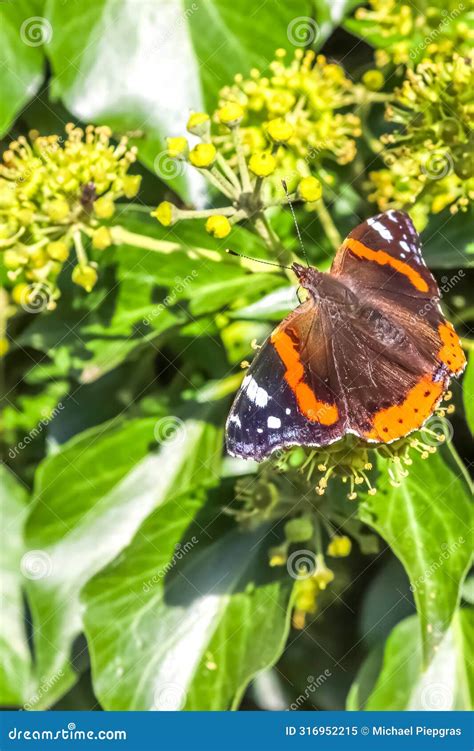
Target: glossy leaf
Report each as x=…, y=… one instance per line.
x=100, y=487
x=23, y=34
x=168, y=636
x=15, y=658
x=403, y=684
x=468, y=392
x=426, y=522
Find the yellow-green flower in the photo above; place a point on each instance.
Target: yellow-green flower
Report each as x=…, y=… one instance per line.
x=131, y=185
x=203, y=155
x=322, y=574
x=218, y=226
x=230, y=114
x=262, y=163
x=198, y=123
x=373, y=79
x=310, y=189
x=101, y=238
x=58, y=250
x=85, y=276
x=280, y=130
x=165, y=212
x=177, y=147
x=340, y=546
x=104, y=208
x=57, y=209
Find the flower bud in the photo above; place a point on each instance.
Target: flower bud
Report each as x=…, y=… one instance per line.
x=299, y=530
x=57, y=209
x=199, y=123
x=104, y=208
x=230, y=114
x=262, y=164
x=58, y=250
x=177, y=147
x=310, y=189
x=218, y=226
x=203, y=155
x=340, y=546
x=165, y=212
x=279, y=130
x=131, y=185
x=101, y=238
x=373, y=79
x=85, y=276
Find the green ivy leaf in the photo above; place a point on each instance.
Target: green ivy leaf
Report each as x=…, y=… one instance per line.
x=100, y=487
x=191, y=636
x=446, y=241
x=468, y=392
x=15, y=658
x=23, y=33
x=426, y=522
x=403, y=684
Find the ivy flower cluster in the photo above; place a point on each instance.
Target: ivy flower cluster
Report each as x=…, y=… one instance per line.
x=265, y=130
x=308, y=93
x=407, y=33
x=428, y=160
x=54, y=194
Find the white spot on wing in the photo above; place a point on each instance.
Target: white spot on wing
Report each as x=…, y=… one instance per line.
x=274, y=422
x=255, y=393
x=236, y=420
x=380, y=229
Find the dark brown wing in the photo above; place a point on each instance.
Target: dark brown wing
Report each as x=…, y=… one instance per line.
x=289, y=395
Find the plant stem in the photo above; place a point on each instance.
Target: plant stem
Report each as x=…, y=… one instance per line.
x=243, y=169
x=328, y=225
x=272, y=241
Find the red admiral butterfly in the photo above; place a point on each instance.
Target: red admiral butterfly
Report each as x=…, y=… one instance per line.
x=368, y=353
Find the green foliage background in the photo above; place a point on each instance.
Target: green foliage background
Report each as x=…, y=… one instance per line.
x=85, y=481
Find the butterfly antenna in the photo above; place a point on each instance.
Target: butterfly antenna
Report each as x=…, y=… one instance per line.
x=285, y=188
x=257, y=260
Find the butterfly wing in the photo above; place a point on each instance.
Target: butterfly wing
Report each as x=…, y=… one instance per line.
x=289, y=394
x=404, y=348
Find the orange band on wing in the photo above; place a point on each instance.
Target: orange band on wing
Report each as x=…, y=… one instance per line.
x=311, y=407
x=384, y=259
x=451, y=352
x=397, y=421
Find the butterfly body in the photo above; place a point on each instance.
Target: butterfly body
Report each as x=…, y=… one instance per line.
x=369, y=353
